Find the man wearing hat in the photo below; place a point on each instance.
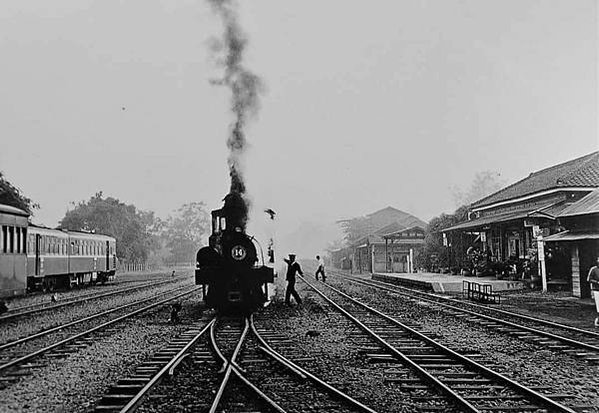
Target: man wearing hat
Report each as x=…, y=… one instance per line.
x=292, y=268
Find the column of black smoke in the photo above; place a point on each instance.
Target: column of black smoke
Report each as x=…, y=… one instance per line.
x=245, y=87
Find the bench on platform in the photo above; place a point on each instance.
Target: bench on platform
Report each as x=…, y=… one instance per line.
x=480, y=292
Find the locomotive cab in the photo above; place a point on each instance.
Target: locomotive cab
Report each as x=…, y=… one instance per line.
x=228, y=268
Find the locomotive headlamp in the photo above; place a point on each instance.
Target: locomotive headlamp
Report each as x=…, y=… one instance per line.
x=238, y=252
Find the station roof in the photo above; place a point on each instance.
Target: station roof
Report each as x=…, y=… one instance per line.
x=548, y=210
x=589, y=204
x=7, y=209
x=581, y=172
x=572, y=236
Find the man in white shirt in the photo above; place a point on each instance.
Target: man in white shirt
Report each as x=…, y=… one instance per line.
x=320, y=269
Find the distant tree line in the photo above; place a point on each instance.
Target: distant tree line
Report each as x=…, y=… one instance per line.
x=11, y=195
x=141, y=235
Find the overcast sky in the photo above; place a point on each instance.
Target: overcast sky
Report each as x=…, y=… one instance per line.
x=368, y=103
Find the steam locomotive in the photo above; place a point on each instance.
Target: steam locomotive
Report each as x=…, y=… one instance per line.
x=228, y=268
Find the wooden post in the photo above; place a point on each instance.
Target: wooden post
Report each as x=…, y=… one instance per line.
x=372, y=258
x=411, y=266
x=392, y=254
x=576, y=288
x=387, y=256
x=542, y=271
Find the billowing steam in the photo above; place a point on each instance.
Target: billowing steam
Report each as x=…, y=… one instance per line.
x=245, y=87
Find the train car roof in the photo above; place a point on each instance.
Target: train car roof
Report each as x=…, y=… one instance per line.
x=7, y=209
x=73, y=234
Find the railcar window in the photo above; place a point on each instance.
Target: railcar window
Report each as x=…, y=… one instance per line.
x=11, y=240
x=24, y=240
x=18, y=239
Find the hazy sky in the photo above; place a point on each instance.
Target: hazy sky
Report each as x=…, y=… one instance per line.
x=368, y=103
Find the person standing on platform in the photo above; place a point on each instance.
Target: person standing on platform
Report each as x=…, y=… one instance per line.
x=593, y=279
x=320, y=269
x=293, y=267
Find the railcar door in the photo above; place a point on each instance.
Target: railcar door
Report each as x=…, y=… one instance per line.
x=38, y=242
x=107, y=256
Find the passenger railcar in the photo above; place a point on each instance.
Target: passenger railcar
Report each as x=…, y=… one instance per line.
x=232, y=274
x=13, y=250
x=66, y=259
x=39, y=258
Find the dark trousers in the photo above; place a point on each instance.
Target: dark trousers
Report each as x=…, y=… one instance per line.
x=290, y=291
x=320, y=270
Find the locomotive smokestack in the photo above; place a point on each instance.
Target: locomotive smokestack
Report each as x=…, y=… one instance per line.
x=246, y=88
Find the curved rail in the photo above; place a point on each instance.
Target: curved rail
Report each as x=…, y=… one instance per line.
x=82, y=320
x=464, y=404
x=30, y=309
x=231, y=366
x=572, y=342
x=136, y=401
x=302, y=373
x=436, y=298
x=39, y=352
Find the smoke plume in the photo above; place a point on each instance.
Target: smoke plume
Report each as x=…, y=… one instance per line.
x=245, y=89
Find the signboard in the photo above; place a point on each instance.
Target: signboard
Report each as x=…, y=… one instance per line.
x=483, y=236
x=536, y=231
x=444, y=239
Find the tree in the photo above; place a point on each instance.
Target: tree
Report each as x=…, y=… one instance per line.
x=184, y=232
x=135, y=231
x=484, y=183
x=435, y=254
x=11, y=195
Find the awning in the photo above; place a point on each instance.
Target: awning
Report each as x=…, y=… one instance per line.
x=537, y=211
x=572, y=236
x=481, y=222
x=587, y=205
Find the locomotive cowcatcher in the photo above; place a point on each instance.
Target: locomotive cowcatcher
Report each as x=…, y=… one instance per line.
x=228, y=267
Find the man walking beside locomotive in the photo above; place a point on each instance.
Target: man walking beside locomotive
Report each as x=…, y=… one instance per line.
x=593, y=279
x=293, y=267
x=320, y=269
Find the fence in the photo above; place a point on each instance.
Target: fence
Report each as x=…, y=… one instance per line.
x=144, y=266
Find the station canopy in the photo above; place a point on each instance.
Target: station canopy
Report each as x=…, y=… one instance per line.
x=572, y=236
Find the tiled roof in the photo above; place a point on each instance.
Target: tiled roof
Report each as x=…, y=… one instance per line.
x=580, y=172
x=7, y=209
x=589, y=204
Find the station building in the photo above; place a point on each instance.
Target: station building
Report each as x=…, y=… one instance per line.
x=520, y=223
x=392, y=243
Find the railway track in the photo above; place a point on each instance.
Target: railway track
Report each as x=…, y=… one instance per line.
x=417, y=361
x=22, y=311
x=580, y=343
x=225, y=364
x=18, y=358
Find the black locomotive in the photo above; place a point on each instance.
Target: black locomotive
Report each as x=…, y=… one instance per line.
x=228, y=267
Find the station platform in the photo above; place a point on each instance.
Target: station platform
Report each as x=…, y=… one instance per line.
x=445, y=283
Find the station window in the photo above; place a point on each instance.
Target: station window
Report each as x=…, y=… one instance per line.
x=4, y=238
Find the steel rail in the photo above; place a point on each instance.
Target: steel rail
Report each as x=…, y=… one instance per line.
x=22, y=311
x=92, y=330
x=529, y=392
x=232, y=367
x=136, y=401
x=82, y=320
x=435, y=298
x=304, y=373
x=547, y=334
x=425, y=375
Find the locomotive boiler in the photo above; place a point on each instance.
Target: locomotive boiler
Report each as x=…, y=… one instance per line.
x=232, y=274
